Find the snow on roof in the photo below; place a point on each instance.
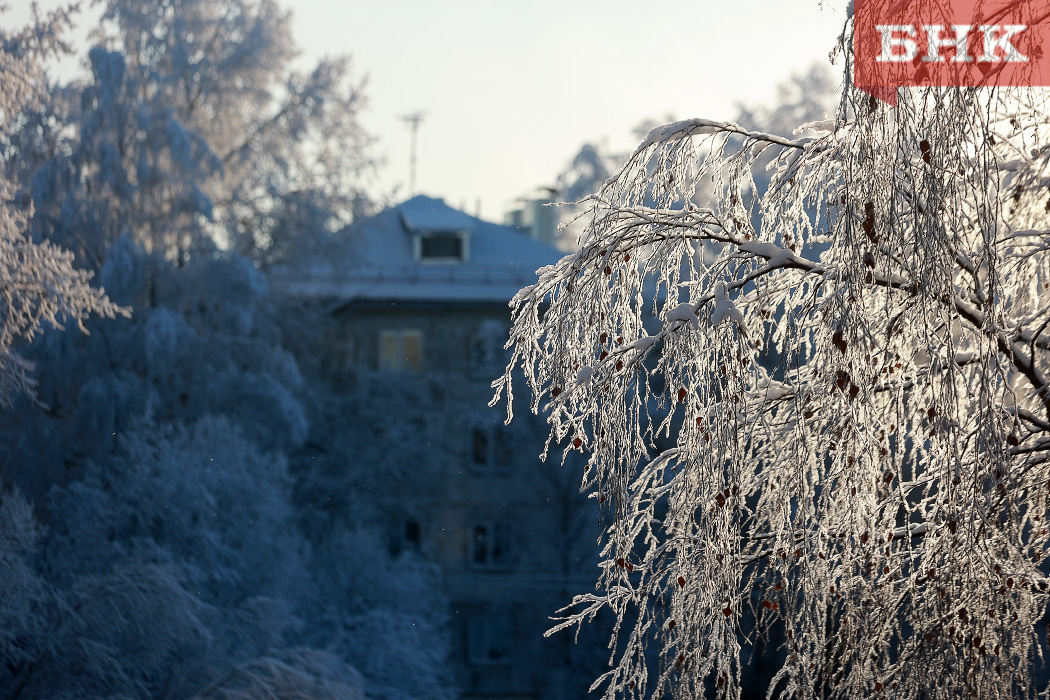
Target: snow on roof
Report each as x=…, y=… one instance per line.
x=499, y=263
x=422, y=214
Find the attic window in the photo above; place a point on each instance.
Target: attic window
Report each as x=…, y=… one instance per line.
x=441, y=247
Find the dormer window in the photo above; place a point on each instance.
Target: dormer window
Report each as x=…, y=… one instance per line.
x=439, y=234
x=442, y=246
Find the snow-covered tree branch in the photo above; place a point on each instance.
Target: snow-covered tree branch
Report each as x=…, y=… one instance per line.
x=39, y=286
x=819, y=405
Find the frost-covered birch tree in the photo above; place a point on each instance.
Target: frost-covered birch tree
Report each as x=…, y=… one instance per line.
x=832, y=428
x=39, y=286
x=292, y=157
x=195, y=129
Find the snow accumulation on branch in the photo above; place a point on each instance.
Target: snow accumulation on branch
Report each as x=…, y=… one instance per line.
x=39, y=286
x=837, y=350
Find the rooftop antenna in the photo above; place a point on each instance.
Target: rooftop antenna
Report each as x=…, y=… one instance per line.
x=413, y=120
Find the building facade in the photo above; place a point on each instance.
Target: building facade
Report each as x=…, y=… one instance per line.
x=417, y=330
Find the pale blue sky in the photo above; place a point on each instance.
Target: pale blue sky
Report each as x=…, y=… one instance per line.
x=512, y=89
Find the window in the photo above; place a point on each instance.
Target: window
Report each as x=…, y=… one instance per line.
x=480, y=447
x=412, y=534
x=488, y=358
x=490, y=448
x=405, y=536
x=444, y=246
x=490, y=546
x=441, y=246
x=401, y=351
x=489, y=638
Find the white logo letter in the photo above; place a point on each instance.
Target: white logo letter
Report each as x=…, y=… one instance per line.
x=890, y=42
x=991, y=43
x=934, y=42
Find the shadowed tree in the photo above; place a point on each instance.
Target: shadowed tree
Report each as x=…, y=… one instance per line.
x=163, y=558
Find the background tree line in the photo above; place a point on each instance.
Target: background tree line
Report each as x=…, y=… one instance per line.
x=151, y=540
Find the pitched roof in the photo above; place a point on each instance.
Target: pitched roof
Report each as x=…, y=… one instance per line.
x=500, y=261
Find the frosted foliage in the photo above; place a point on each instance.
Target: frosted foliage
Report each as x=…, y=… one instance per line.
x=804, y=98
x=117, y=164
x=203, y=340
x=195, y=130
x=290, y=157
x=856, y=453
x=178, y=571
x=306, y=674
x=118, y=636
x=39, y=287
x=589, y=169
x=203, y=497
x=391, y=617
x=395, y=652
x=25, y=595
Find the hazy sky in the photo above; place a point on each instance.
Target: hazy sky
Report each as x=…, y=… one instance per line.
x=512, y=89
